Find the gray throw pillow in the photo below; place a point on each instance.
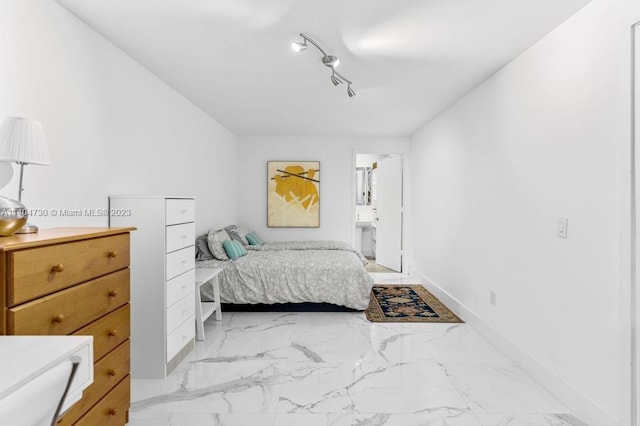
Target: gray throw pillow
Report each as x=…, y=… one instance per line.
x=202, y=248
x=239, y=233
x=215, y=240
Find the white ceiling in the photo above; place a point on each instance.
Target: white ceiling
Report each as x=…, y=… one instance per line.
x=408, y=59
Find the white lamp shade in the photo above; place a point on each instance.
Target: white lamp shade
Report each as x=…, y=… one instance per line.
x=22, y=140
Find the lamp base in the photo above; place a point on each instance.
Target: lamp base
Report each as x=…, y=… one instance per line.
x=28, y=228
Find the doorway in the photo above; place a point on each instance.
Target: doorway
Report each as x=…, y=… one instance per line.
x=379, y=210
x=635, y=212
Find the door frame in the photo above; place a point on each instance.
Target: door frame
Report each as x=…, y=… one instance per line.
x=631, y=324
x=405, y=243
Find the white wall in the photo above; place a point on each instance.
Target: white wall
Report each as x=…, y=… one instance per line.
x=337, y=192
x=545, y=137
x=112, y=126
x=635, y=242
x=367, y=160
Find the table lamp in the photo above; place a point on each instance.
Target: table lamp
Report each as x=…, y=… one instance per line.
x=22, y=141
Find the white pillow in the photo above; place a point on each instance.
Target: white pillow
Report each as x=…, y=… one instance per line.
x=215, y=239
x=239, y=233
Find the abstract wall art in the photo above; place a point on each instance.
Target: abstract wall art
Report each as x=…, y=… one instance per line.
x=293, y=194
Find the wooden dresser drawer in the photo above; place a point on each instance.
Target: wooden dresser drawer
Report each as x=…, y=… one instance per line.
x=43, y=270
x=109, y=331
x=68, y=310
x=180, y=211
x=180, y=236
x=180, y=286
x=180, y=262
x=112, y=409
x=177, y=339
x=180, y=311
x=106, y=374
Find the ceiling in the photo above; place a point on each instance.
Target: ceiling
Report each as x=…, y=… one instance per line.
x=408, y=59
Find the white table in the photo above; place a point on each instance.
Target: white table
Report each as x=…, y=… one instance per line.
x=207, y=276
x=25, y=388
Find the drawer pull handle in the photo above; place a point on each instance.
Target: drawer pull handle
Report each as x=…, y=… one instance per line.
x=112, y=372
x=112, y=253
x=184, y=313
x=58, y=318
x=184, y=237
x=112, y=333
x=57, y=268
x=111, y=411
x=184, y=287
x=113, y=293
x=184, y=337
x=183, y=211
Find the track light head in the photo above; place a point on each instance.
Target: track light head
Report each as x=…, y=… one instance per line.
x=331, y=61
x=299, y=47
x=335, y=80
x=350, y=91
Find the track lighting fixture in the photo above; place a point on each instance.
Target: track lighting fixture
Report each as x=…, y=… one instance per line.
x=328, y=60
x=299, y=47
x=350, y=91
x=335, y=80
x=331, y=61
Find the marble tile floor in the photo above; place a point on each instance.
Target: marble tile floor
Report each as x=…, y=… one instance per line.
x=335, y=368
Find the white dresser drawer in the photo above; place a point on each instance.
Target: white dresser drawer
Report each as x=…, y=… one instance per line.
x=180, y=337
x=180, y=211
x=179, y=286
x=180, y=262
x=180, y=236
x=180, y=311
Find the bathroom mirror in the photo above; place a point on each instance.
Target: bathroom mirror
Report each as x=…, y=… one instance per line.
x=363, y=186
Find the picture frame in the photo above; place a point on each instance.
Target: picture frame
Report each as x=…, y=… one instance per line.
x=293, y=194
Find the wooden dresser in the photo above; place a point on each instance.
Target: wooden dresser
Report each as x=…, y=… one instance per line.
x=74, y=281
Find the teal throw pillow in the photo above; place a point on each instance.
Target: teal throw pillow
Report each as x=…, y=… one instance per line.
x=253, y=239
x=234, y=249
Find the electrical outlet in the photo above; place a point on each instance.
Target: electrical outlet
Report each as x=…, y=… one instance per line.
x=562, y=224
x=492, y=297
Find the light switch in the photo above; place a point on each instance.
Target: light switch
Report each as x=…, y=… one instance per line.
x=562, y=224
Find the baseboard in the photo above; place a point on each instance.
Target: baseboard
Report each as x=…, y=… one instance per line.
x=579, y=404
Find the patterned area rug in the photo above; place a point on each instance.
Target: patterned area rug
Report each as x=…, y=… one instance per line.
x=406, y=303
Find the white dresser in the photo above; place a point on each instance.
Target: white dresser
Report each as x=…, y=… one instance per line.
x=162, y=279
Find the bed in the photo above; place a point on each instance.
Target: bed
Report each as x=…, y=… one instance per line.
x=293, y=272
